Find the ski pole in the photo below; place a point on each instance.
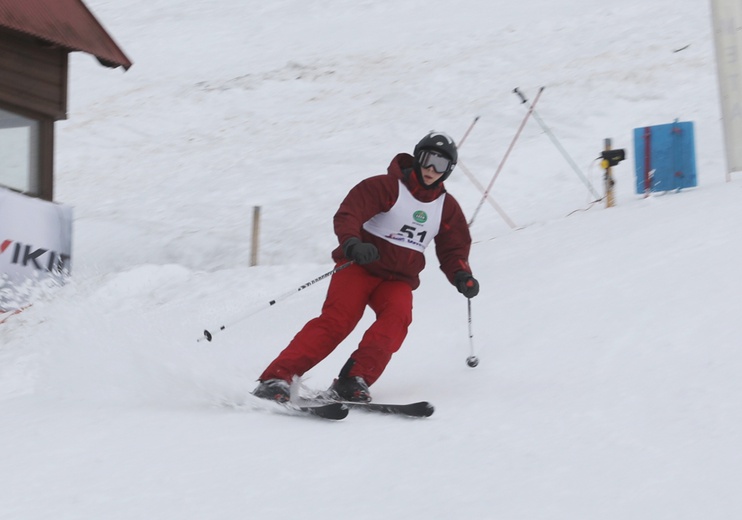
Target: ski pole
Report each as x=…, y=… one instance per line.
x=556, y=142
x=507, y=153
x=472, y=360
x=208, y=336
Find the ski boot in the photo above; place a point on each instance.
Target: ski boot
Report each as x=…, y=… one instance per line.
x=353, y=389
x=273, y=389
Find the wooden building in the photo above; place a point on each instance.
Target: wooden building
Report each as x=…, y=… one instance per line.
x=36, y=37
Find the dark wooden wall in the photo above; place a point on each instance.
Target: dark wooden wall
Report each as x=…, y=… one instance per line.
x=33, y=83
x=33, y=75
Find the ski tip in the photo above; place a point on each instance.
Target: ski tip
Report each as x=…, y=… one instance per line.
x=426, y=409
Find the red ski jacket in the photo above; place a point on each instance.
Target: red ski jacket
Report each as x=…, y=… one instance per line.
x=377, y=195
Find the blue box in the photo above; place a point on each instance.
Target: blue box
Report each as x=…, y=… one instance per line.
x=665, y=157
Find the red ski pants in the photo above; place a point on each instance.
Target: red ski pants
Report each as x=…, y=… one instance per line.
x=350, y=291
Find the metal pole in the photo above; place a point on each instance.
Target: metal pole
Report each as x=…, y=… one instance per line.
x=507, y=153
x=476, y=183
x=559, y=146
x=489, y=198
x=468, y=130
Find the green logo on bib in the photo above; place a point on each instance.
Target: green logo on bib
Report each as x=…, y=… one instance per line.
x=420, y=216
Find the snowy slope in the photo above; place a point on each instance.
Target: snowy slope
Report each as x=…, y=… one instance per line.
x=608, y=385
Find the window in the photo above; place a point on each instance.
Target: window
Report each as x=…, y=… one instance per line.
x=19, y=152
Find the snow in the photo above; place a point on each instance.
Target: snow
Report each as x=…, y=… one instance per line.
x=609, y=382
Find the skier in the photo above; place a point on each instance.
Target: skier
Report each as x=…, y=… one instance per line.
x=383, y=226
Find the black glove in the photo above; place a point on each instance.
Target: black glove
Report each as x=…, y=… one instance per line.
x=466, y=284
x=360, y=252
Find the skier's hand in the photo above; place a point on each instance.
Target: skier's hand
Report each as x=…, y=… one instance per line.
x=360, y=252
x=466, y=284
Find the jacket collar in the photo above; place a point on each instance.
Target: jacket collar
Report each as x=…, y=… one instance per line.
x=402, y=167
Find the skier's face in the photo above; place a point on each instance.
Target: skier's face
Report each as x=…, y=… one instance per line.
x=430, y=175
x=433, y=165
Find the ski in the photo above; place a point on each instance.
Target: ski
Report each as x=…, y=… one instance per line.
x=324, y=410
x=331, y=411
x=319, y=399
x=420, y=409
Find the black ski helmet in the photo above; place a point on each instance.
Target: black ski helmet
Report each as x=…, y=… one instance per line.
x=441, y=143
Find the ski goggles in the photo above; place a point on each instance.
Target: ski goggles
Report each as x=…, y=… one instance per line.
x=432, y=159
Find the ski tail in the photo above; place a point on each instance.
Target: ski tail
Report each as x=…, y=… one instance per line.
x=332, y=411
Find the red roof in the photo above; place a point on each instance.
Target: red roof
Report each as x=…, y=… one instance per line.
x=67, y=23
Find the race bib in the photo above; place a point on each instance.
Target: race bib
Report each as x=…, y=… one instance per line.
x=409, y=223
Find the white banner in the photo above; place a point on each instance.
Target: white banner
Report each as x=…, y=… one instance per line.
x=35, y=245
x=727, y=19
